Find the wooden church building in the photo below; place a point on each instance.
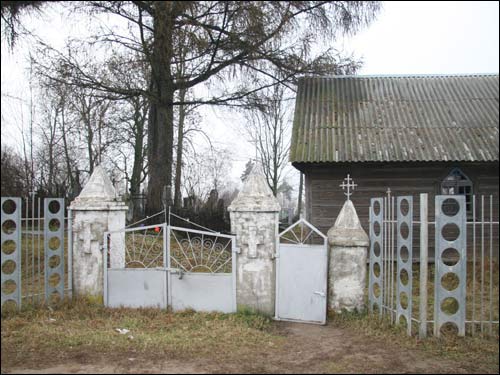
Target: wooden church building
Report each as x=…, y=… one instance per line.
x=435, y=134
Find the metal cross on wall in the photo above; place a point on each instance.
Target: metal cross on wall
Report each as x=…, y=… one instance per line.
x=347, y=184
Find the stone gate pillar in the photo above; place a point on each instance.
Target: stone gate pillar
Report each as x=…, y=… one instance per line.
x=348, y=244
x=254, y=215
x=95, y=211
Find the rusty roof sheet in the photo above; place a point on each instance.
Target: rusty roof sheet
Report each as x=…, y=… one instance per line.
x=396, y=118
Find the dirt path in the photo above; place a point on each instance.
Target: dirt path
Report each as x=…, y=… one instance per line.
x=307, y=349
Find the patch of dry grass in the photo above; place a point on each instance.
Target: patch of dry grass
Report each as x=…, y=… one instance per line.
x=40, y=336
x=482, y=351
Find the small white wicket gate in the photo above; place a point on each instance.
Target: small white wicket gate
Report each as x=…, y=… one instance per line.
x=301, y=274
x=167, y=266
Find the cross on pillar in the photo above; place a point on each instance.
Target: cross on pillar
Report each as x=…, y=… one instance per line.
x=252, y=240
x=348, y=183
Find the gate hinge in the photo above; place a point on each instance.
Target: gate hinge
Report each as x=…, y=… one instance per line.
x=237, y=250
x=275, y=256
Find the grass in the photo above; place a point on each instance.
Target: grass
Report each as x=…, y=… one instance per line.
x=38, y=336
x=481, y=351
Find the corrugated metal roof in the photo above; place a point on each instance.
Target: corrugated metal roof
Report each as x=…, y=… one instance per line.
x=396, y=118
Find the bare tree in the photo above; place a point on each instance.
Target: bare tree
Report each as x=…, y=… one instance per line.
x=13, y=177
x=268, y=126
x=226, y=40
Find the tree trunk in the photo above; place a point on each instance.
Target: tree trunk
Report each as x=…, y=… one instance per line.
x=135, y=181
x=180, y=145
x=161, y=115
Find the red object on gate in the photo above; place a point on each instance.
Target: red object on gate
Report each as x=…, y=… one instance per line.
x=157, y=229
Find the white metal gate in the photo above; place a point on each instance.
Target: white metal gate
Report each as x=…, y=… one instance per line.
x=301, y=271
x=167, y=266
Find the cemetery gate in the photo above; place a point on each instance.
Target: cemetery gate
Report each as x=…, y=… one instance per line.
x=166, y=266
x=301, y=274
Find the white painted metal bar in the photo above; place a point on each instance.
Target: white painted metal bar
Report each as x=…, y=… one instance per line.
x=303, y=221
x=392, y=258
x=482, y=262
x=473, y=330
x=26, y=272
x=424, y=258
x=201, y=232
x=234, y=254
x=105, y=271
x=166, y=262
x=384, y=257
x=70, y=252
x=40, y=287
x=490, y=330
x=32, y=284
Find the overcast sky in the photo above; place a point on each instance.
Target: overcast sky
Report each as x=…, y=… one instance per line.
x=406, y=38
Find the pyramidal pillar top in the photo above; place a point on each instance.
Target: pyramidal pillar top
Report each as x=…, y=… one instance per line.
x=98, y=194
x=256, y=195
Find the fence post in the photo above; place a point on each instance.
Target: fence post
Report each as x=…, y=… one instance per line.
x=424, y=263
x=348, y=244
x=254, y=217
x=96, y=211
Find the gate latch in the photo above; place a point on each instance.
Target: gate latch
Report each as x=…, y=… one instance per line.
x=177, y=272
x=322, y=294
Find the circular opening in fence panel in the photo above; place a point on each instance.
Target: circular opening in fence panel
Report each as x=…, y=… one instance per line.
x=450, y=256
x=9, y=306
x=449, y=306
x=54, y=207
x=376, y=249
x=54, y=243
x=375, y=308
x=403, y=300
x=449, y=329
x=376, y=290
x=403, y=277
x=8, y=247
x=450, y=281
x=8, y=267
x=450, y=207
x=9, y=207
x=376, y=228
x=54, y=280
x=450, y=232
x=402, y=321
x=376, y=269
x=404, y=254
x=54, y=261
x=376, y=208
x=404, y=231
x=404, y=207
x=54, y=298
x=9, y=226
x=9, y=287
x=54, y=225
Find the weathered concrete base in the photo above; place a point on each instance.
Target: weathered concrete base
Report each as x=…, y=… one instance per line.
x=347, y=279
x=254, y=220
x=256, y=285
x=347, y=261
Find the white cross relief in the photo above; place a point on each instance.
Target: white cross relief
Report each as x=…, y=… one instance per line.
x=252, y=240
x=347, y=184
